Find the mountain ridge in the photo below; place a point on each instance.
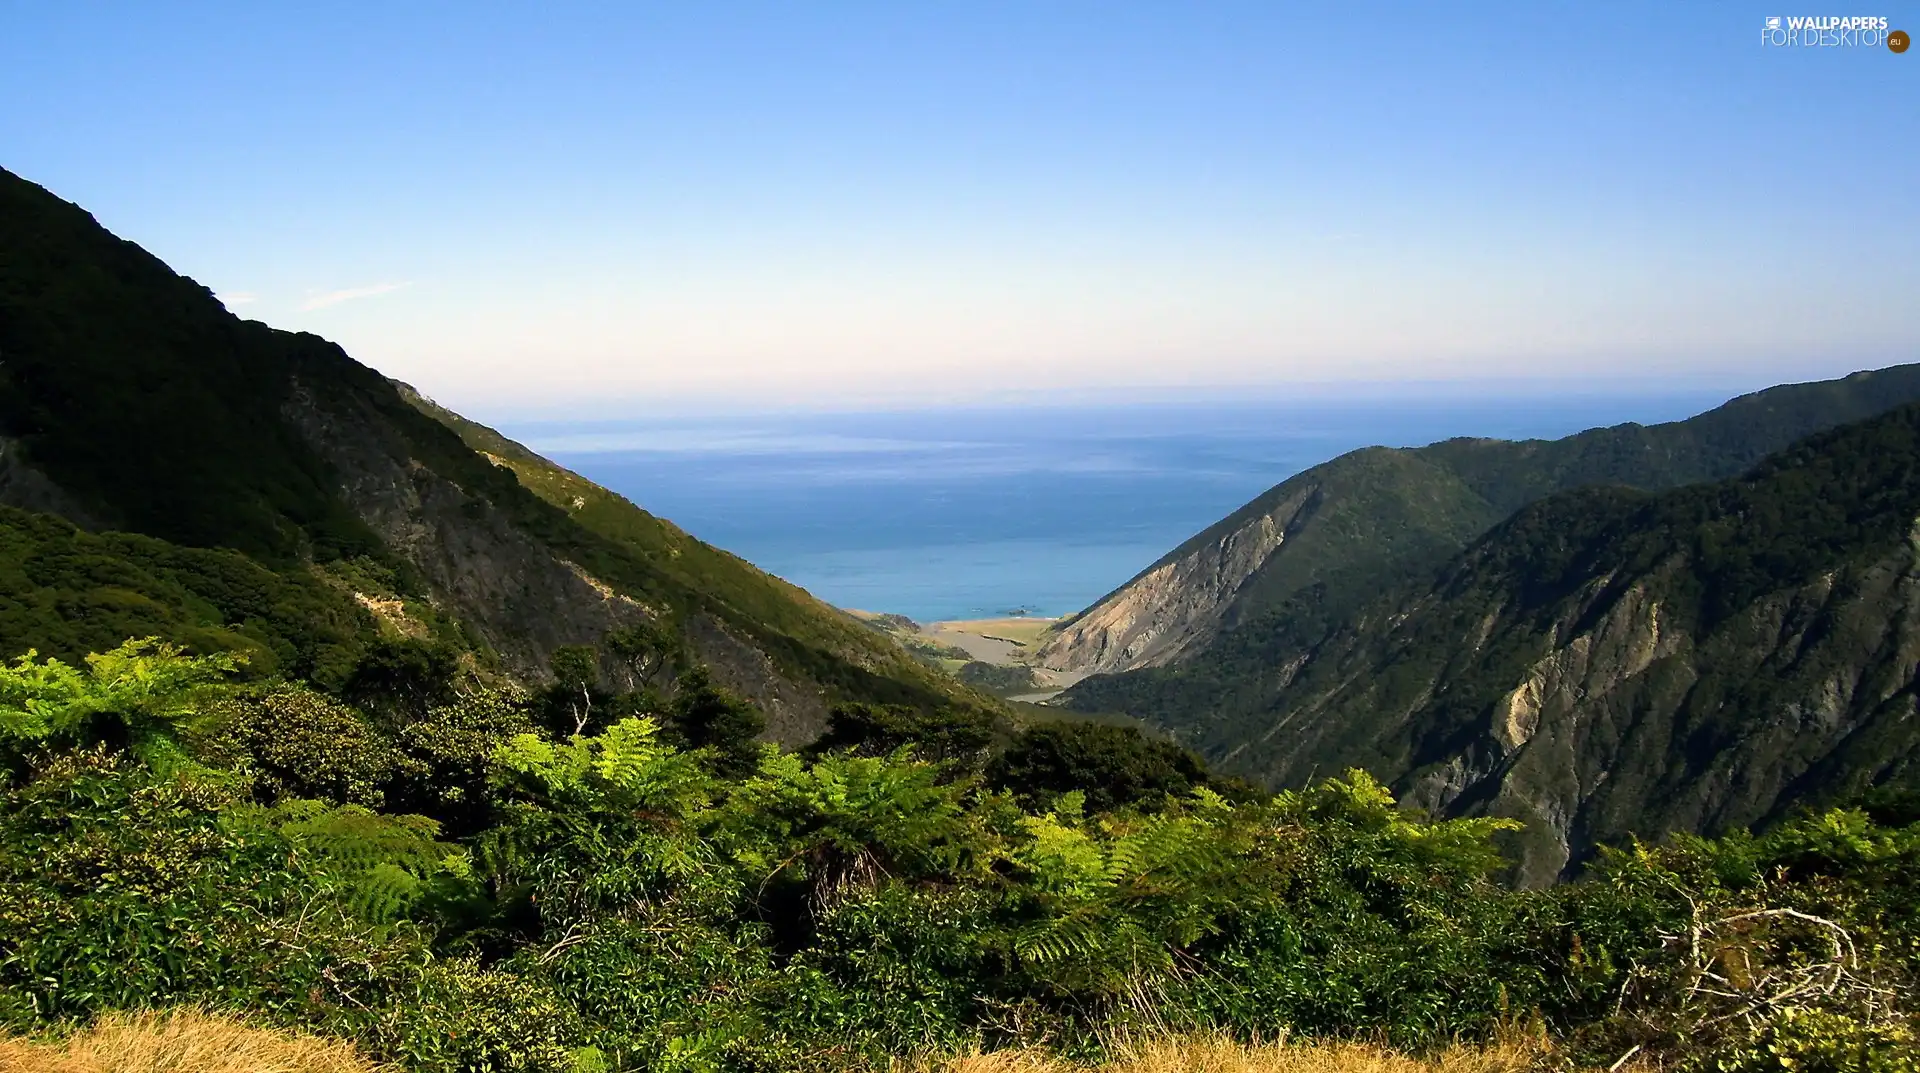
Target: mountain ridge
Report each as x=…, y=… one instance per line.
x=1360, y=523
x=1606, y=662
x=132, y=400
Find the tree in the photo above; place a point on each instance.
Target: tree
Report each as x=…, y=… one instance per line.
x=1112, y=765
x=402, y=679
x=576, y=681
x=946, y=734
x=707, y=716
x=646, y=654
x=131, y=695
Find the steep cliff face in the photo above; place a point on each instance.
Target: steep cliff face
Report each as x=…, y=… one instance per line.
x=131, y=399
x=1175, y=602
x=1355, y=523
x=1629, y=728
x=519, y=599
x=1606, y=662
x=1345, y=531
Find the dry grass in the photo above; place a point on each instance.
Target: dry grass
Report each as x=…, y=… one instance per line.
x=1025, y=630
x=181, y=1041
x=1226, y=1056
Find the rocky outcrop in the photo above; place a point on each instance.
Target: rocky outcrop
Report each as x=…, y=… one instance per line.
x=796, y=711
x=1176, y=603
x=1348, y=527
x=1619, y=732
x=520, y=597
x=512, y=591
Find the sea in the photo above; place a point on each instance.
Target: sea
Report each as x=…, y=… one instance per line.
x=960, y=513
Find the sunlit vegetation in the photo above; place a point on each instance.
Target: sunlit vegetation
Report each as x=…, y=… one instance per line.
x=180, y=1041
x=452, y=875
x=1771, y=593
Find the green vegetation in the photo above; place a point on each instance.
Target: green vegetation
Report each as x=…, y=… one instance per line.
x=131, y=400
x=68, y=592
x=1106, y=766
x=1374, y=520
x=427, y=747
x=452, y=886
x=1003, y=679
x=1673, y=638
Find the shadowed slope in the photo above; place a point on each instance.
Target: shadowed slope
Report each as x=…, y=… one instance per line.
x=131, y=399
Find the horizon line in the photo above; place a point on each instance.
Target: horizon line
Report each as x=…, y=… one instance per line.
x=1728, y=383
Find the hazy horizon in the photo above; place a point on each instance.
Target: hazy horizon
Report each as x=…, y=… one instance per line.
x=1709, y=388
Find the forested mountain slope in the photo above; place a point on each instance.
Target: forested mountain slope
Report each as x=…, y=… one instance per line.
x=132, y=401
x=1351, y=528
x=1606, y=661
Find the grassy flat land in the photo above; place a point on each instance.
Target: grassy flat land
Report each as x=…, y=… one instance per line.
x=1008, y=641
x=1025, y=631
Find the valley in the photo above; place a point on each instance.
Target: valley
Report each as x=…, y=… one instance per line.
x=997, y=655
x=336, y=722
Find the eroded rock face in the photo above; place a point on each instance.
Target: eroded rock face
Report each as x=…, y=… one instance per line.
x=796, y=712
x=520, y=598
x=1616, y=732
x=1344, y=528
x=1625, y=721
x=24, y=486
x=1173, y=606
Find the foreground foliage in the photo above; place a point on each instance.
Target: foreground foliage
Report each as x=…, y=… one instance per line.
x=1161, y=1054
x=180, y=1041
x=456, y=877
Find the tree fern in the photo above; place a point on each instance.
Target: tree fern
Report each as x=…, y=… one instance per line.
x=383, y=864
x=624, y=768
x=147, y=685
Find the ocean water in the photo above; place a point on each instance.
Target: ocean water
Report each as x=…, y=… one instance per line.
x=967, y=513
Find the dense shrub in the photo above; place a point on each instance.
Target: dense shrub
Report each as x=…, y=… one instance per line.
x=949, y=734
x=454, y=885
x=1110, y=765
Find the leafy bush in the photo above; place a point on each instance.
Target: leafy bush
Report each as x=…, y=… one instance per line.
x=945, y=734
x=137, y=694
x=610, y=900
x=1110, y=765
x=300, y=743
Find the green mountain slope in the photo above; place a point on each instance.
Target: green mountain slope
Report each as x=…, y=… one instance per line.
x=1349, y=529
x=130, y=399
x=66, y=592
x=1606, y=661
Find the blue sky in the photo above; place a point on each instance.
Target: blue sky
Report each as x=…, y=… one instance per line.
x=570, y=209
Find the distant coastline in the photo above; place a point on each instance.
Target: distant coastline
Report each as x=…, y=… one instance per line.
x=967, y=515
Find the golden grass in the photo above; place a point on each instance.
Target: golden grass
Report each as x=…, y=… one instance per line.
x=1227, y=1056
x=195, y=1041
x=1026, y=631
x=181, y=1041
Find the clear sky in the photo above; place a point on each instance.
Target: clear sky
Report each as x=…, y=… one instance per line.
x=569, y=208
